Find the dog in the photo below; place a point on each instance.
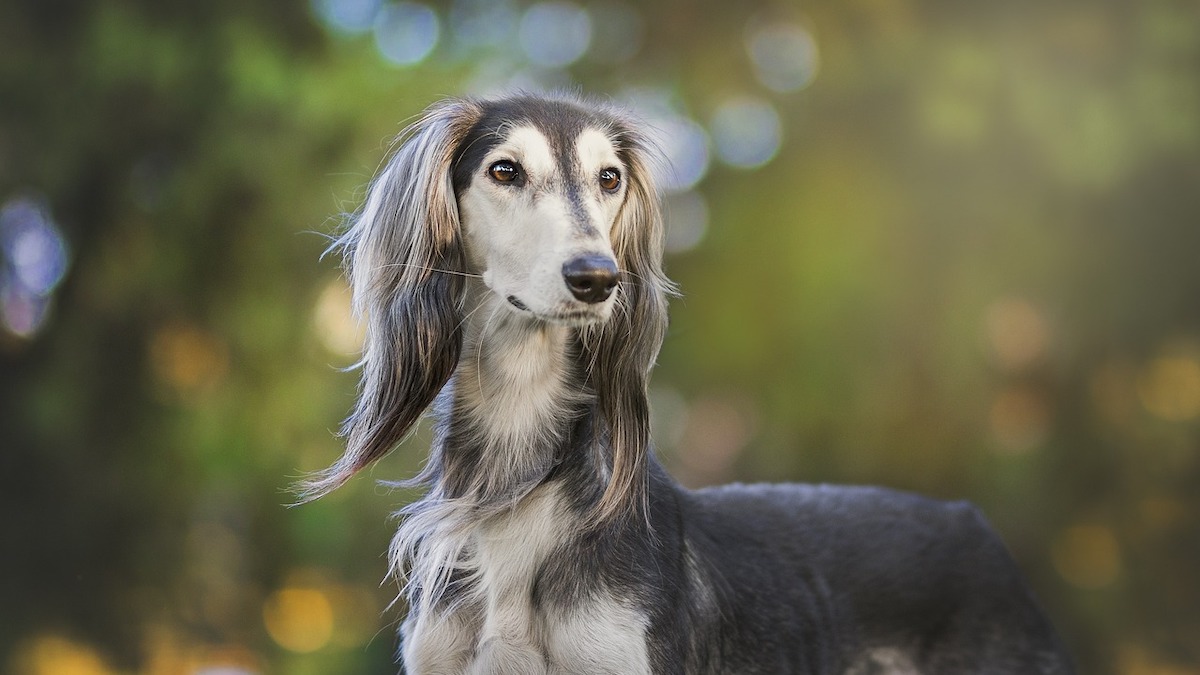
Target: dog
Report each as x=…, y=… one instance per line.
x=508, y=263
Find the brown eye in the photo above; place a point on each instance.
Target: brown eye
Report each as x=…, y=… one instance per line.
x=504, y=171
x=610, y=179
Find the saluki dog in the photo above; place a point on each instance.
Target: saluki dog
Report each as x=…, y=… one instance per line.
x=508, y=263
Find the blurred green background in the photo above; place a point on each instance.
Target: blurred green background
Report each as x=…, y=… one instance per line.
x=951, y=247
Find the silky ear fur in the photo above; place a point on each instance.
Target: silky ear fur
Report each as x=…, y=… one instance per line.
x=404, y=259
x=623, y=350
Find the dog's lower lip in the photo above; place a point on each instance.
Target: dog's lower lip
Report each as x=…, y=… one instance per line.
x=573, y=317
x=515, y=302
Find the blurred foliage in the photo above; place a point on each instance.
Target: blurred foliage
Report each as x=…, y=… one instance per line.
x=972, y=269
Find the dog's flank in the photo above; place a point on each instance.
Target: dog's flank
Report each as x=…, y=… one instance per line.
x=509, y=262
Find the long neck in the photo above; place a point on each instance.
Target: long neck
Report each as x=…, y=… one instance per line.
x=513, y=409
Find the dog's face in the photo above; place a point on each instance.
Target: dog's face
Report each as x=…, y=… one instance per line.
x=538, y=196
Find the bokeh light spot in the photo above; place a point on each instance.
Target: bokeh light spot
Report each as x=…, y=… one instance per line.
x=33, y=261
x=299, y=619
x=684, y=145
x=347, y=16
x=170, y=649
x=482, y=24
x=23, y=313
x=718, y=429
x=784, y=55
x=1019, y=420
x=406, y=32
x=1087, y=556
x=54, y=655
x=1134, y=659
x=686, y=216
x=555, y=34
x=190, y=361
x=746, y=132
x=1017, y=333
x=1169, y=387
x=38, y=258
x=334, y=322
x=1163, y=513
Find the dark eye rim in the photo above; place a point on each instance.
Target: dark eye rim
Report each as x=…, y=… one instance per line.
x=616, y=182
x=513, y=177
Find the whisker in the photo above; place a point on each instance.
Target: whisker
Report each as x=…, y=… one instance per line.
x=592, y=362
x=636, y=280
x=471, y=313
x=428, y=269
x=479, y=351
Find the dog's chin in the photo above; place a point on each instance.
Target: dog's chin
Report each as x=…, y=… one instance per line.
x=576, y=319
x=574, y=315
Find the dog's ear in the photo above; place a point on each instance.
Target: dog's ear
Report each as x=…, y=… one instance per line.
x=403, y=256
x=623, y=350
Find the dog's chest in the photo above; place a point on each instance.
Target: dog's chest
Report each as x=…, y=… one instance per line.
x=497, y=628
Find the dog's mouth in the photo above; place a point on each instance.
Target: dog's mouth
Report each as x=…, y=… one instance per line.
x=564, y=316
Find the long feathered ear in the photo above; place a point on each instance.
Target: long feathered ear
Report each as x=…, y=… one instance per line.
x=403, y=256
x=623, y=350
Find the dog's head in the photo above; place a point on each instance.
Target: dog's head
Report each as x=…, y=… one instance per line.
x=540, y=185
x=551, y=203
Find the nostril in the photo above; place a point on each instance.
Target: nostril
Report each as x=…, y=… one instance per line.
x=591, y=278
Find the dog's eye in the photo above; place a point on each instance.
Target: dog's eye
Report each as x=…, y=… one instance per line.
x=504, y=171
x=610, y=179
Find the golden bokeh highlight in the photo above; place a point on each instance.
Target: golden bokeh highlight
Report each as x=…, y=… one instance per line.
x=1087, y=556
x=1163, y=512
x=170, y=653
x=299, y=619
x=190, y=361
x=1019, y=420
x=1134, y=660
x=334, y=322
x=55, y=655
x=716, y=432
x=1017, y=333
x=1169, y=387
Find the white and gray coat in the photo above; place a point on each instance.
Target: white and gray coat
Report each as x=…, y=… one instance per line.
x=508, y=263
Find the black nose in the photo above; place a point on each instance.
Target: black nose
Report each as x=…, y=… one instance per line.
x=591, y=278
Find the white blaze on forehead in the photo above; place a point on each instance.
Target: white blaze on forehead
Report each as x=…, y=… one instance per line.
x=530, y=148
x=595, y=151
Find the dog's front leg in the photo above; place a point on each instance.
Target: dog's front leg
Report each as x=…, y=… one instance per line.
x=437, y=645
x=497, y=656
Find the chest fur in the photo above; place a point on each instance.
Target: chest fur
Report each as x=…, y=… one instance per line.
x=495, y=626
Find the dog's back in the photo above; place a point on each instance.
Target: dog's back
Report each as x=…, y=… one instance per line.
x=823, y=579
